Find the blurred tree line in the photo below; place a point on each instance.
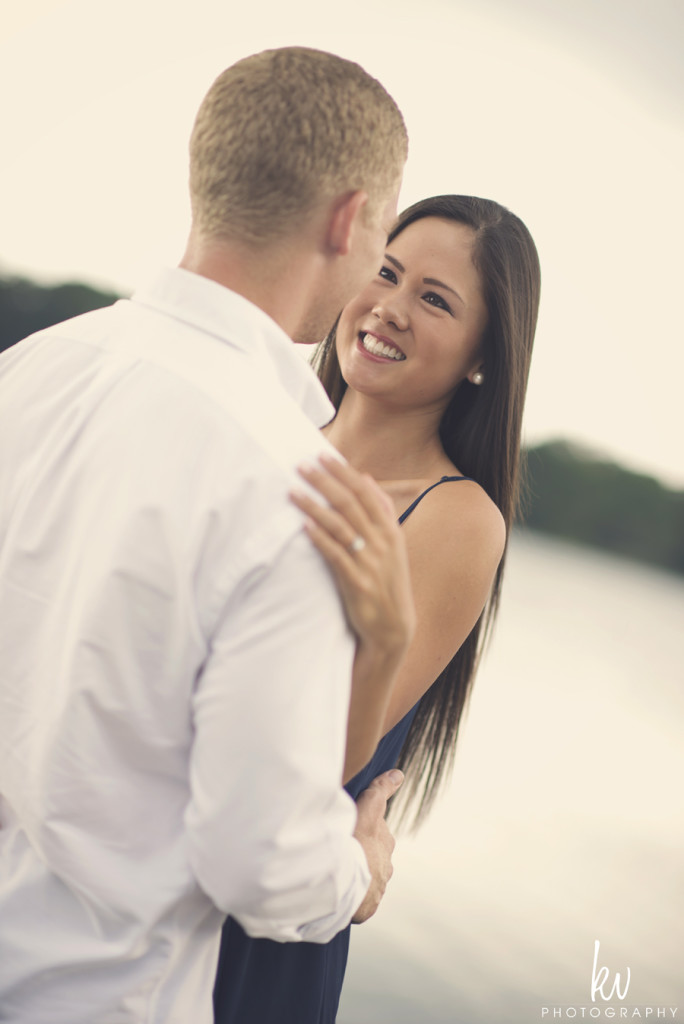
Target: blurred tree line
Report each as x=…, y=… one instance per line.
x=572, y=493
x=575, y=494
x=26, y=307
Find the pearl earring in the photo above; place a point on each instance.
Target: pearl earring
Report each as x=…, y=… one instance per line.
x=478, y=377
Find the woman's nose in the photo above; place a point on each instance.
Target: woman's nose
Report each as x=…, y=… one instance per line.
x=391, y=311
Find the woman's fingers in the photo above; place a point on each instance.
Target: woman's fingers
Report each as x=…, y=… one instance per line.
x=357, y=533
x=341, y=560
x=354, y=494
x=368, y=492
x=357, y=513
x=338, y=496
x=375, y=590
x=326, y=518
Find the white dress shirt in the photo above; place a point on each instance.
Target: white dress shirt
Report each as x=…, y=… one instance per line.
x=174, y=661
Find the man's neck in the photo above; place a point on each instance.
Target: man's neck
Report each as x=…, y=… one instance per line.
x=276, y=278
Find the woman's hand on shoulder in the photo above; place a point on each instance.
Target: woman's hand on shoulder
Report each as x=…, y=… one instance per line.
x=357, y=534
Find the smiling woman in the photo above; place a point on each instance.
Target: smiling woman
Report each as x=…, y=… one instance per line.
x=425, y=303
x=458, y=294
x=427, y=369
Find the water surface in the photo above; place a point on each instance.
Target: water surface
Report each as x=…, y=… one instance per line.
x=564, y=822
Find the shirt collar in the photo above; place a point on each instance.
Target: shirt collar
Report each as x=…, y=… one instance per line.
x=216, y=310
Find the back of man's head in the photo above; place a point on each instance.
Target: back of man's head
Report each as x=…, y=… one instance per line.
x=284, y=130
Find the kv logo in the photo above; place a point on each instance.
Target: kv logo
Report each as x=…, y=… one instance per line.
x=598, y=980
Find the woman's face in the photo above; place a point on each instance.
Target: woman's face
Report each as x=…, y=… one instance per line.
x=414, y=333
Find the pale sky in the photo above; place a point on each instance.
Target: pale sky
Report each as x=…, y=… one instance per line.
x=569, y=113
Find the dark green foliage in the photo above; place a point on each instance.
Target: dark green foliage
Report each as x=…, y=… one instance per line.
x=572, y=493
x=26, y=307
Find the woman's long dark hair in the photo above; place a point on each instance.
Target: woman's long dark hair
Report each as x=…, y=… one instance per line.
x=480, y=432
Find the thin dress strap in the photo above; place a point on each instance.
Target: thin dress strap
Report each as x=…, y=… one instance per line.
x=445, y=479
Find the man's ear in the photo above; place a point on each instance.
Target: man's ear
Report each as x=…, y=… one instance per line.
x=344, y=213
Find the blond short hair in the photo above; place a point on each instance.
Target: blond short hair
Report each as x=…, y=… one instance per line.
x=282, y=130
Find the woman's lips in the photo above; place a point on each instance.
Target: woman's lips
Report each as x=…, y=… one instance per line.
x=377, y=347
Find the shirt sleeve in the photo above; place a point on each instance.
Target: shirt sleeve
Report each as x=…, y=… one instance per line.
x=269, y=826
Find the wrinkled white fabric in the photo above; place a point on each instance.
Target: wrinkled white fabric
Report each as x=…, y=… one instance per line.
x=174, y=660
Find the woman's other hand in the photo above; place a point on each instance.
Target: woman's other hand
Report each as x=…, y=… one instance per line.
x=375, y=838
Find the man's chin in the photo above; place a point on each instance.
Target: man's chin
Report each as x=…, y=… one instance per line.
x=315, y=330
x=298, y=340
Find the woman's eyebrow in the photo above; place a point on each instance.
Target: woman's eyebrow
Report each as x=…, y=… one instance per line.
x=440, y=284
x=394, y=262
x=426, y=280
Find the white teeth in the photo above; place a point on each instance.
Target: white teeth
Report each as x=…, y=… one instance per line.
x=377, y=348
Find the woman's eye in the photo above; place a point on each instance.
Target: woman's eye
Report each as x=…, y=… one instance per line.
x=433, y=299
x=388, y=274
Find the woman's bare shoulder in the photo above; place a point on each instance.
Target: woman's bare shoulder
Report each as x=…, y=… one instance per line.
x=455, y=538
x=458, y=513
x=460, y=502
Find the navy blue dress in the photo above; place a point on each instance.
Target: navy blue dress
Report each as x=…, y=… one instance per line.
x=260, y=981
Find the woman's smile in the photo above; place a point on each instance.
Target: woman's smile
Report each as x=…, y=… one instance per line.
x=380, y=348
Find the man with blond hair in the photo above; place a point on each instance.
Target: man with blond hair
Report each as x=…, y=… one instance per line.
x=174, y=660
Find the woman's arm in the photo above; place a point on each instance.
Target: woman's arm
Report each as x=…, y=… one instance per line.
x=455, y=540
x=373, y=579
